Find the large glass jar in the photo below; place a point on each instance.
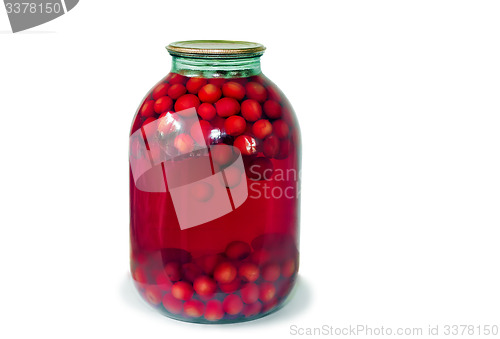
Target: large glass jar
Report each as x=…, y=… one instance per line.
x=214, y=187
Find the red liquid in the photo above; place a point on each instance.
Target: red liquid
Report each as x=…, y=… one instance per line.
x=206, y=272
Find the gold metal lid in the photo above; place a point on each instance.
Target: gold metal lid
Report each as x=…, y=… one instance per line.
x=215, y=49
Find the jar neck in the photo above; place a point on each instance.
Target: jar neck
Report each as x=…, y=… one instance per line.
x=216, y=67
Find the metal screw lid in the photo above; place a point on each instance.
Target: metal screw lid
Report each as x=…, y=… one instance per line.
x=216, y=49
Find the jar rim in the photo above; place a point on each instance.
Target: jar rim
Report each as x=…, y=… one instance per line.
x=215, y=49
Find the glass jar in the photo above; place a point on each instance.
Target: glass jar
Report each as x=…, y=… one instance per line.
x=214, y=187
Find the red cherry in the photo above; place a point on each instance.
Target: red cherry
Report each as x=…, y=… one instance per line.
x=237, y=250
x=202, y=191
x=281, y=253
x=288, y=268
x=235, y=125
x=148, y=120
x=225, y=272
x=147, y=109
x=232, y=304
x=234, y=90
x=182, y=290
x=251, y=110
x=272, y=109
x=267, y=292
x=207, y=111
x=274, y=241
x=261, y=79
x=204, y=286
x=163, y=282
x=281, y=129
x=139, y=257
x=246, y=144
x=232, y=176
x=284, y=288
x=248, y=130
x=193, y=85
x=271, y=272
x=190, y=272
x=172, y=304
x=176, y=91
x=286, y=109
x=139, y=275
x=231, y=287
x=209, y=93
x=256, y=91
x=184, y=143
x=248, y=272
x=194, y=308
x=163, y=104
x=160, y=91
x=153, y=295
x=174, y=78
x=200, y=131
x=260, y=257
x=218, y=123
x=222, y=154
x=250, y=293
x=217, y=81
x=284, y=149
x=214, y=310
x=271, y=146
x=273, y=93
x=175, y=255
x=226, y=107
x=241, y=81
x=136, y=259
x=270, y=305
x=173, y=271
x=209, y=262
x=262, y=128
x=260, y=169
x=169, y=125
x=184, y=102
x=252, y=309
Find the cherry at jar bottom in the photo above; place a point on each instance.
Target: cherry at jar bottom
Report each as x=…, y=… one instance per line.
x=218, y=288
x=241, y=141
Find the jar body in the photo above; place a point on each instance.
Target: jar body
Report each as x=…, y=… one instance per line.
x=214, y=197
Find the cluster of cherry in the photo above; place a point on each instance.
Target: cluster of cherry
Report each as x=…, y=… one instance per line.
x=246, y=280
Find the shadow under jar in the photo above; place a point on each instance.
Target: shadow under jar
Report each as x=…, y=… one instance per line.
x=215, y=187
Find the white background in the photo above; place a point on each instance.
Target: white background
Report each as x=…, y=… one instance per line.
x=399, y=107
